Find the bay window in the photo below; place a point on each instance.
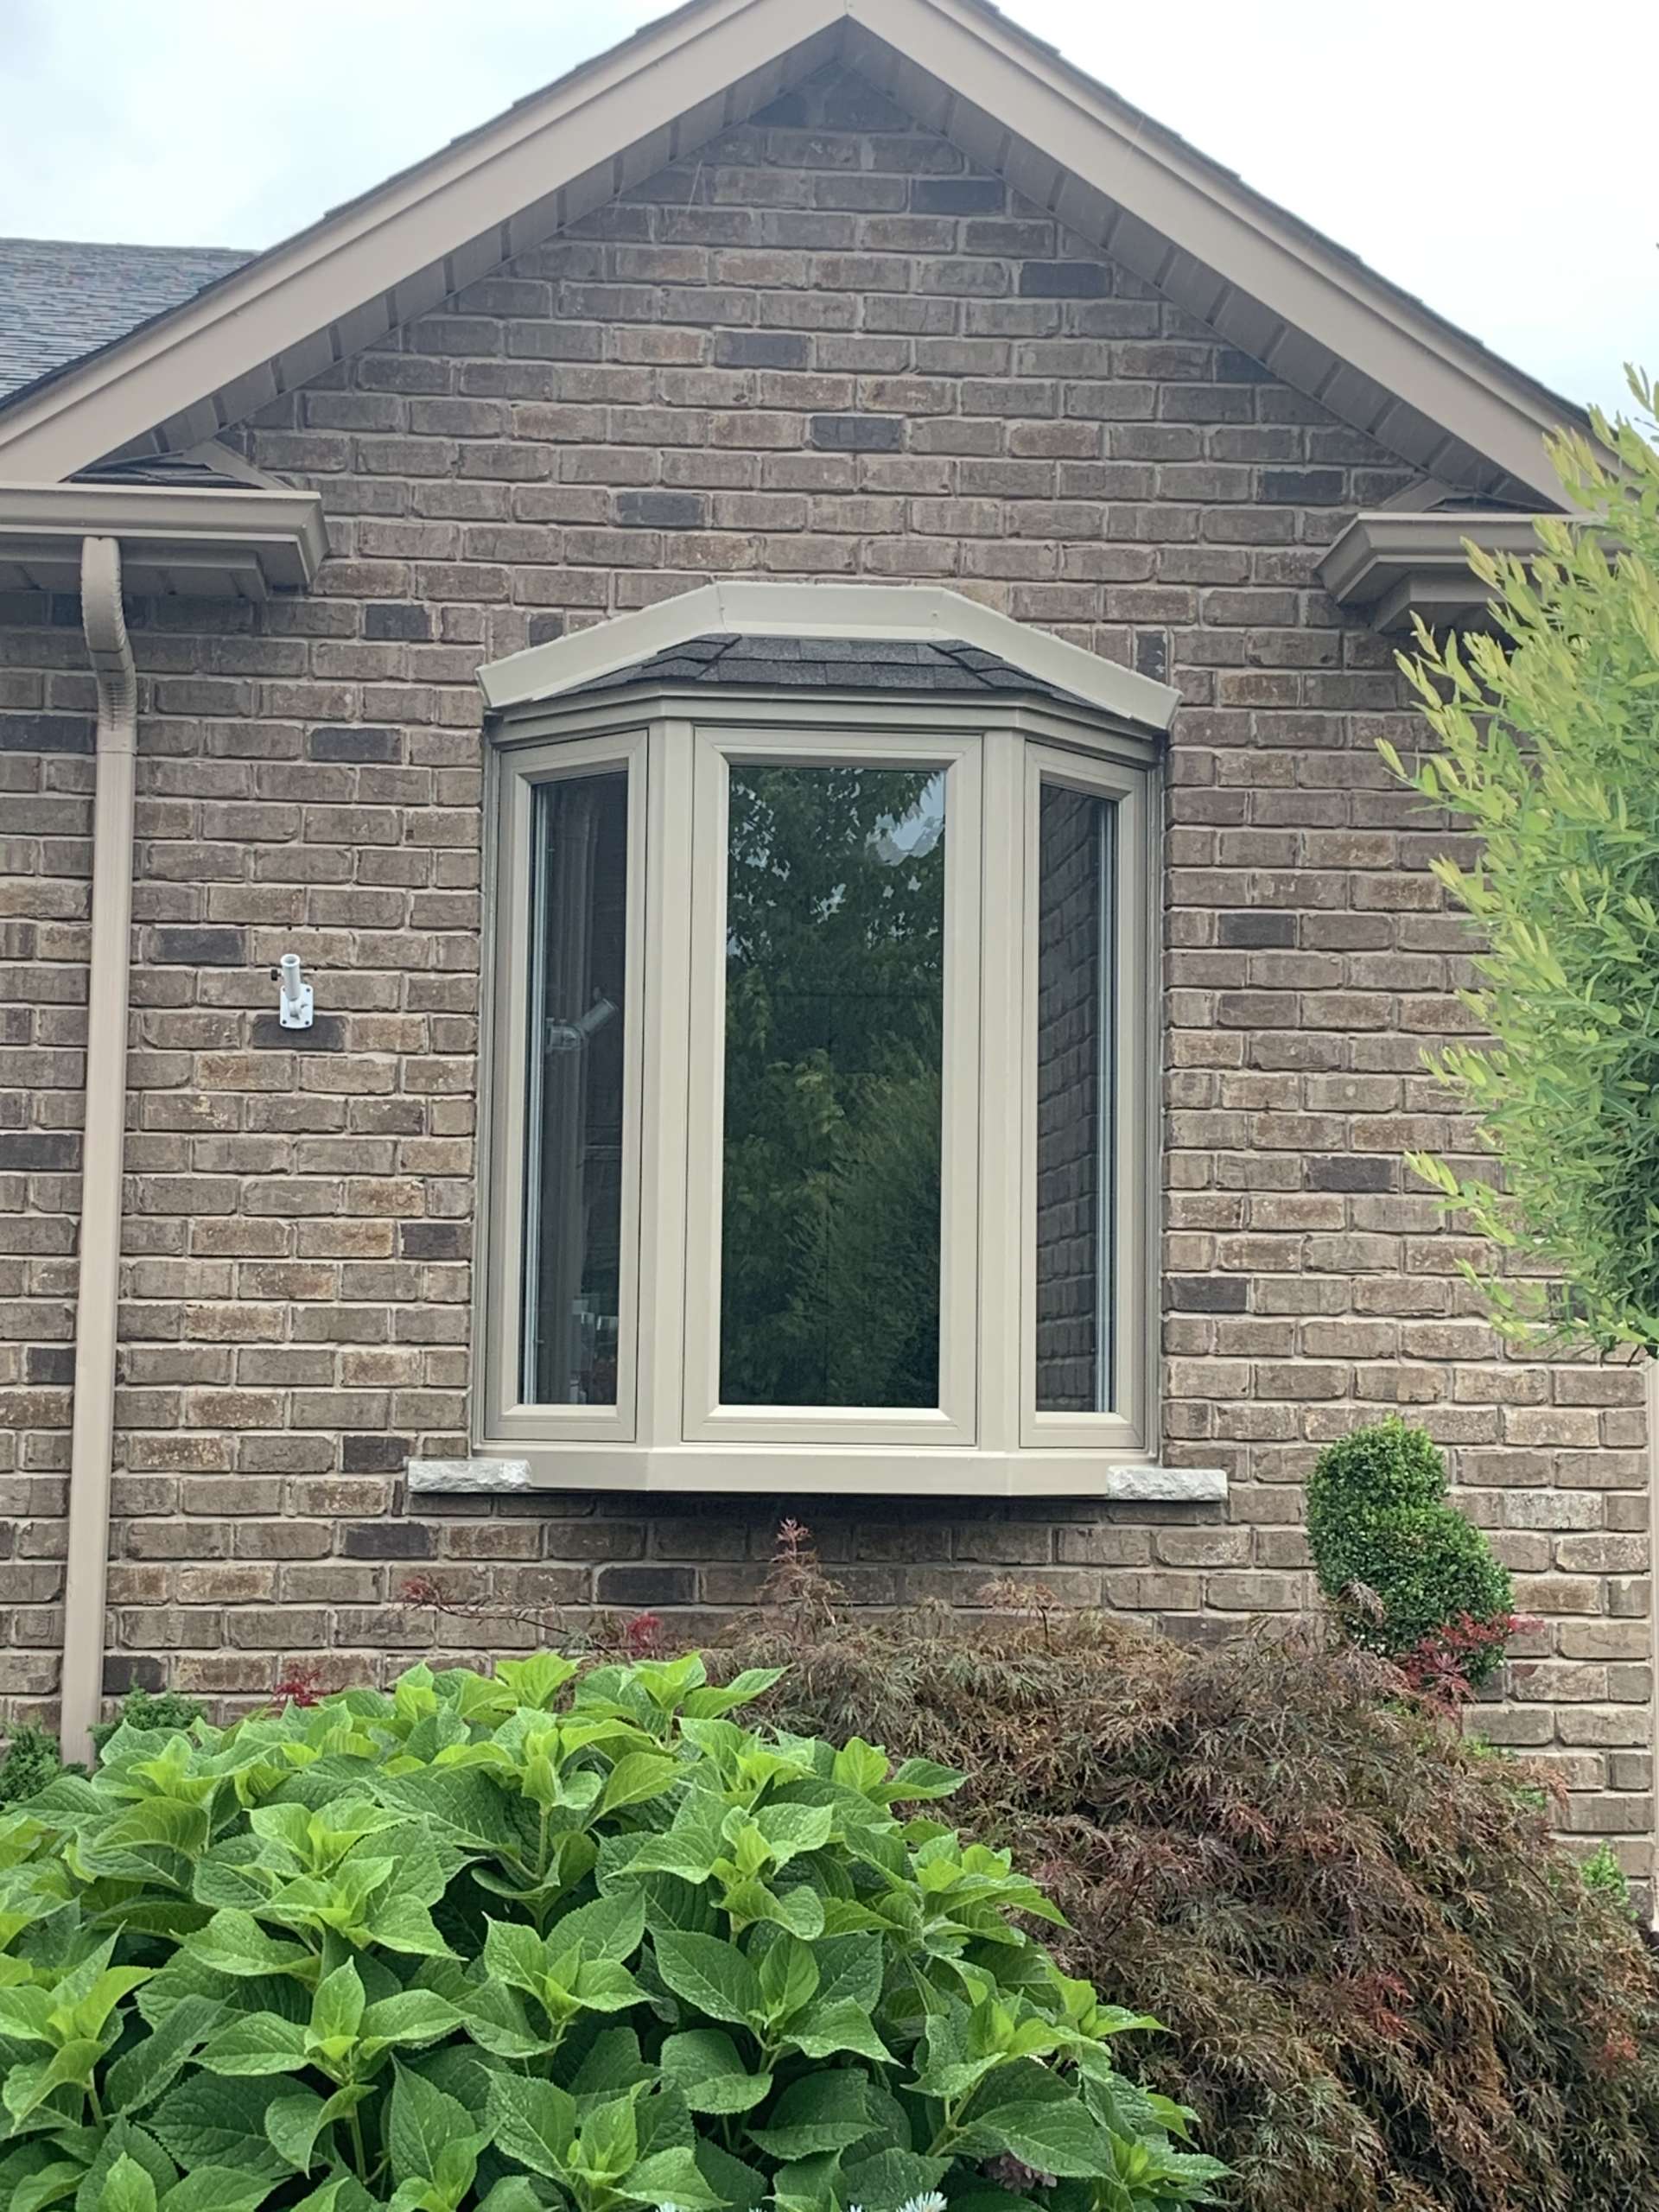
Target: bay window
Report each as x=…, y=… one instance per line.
x=819, y=1148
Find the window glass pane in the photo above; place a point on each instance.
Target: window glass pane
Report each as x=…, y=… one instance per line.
x=574, y=1152
x=1075, y=1084
x=834, y=1009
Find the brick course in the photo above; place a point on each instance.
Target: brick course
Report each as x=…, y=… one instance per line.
x=826, y=347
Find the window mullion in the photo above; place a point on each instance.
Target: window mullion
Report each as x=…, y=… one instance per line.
x=667, y=1043
x=1001, y=1103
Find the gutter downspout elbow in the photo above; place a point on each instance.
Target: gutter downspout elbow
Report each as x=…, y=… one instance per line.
x=92, y=1446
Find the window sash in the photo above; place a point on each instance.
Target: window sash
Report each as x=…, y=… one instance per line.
x=705, y=1419
x=1131, y=1287
x=511, y=1417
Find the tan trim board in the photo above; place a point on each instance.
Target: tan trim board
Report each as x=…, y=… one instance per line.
x=813, y=610
x=1388, y=565
x=172, y=539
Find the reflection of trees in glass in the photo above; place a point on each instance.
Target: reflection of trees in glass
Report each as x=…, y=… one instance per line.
x=834, y=1028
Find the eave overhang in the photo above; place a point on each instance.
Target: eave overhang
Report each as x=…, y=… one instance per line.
x=220, y=543
x=1389, y=566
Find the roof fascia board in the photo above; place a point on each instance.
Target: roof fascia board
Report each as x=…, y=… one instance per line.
x=923, y=611
x=387, y=237
x=283, y=531
x=1316, y=289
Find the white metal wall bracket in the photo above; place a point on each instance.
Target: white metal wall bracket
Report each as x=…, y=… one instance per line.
x=294, y=1002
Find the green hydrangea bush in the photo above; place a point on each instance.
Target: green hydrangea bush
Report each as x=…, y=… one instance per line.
x=551, y=1938
x=1410, y=1578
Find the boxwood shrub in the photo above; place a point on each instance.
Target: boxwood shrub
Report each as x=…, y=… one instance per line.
x=1403, y=1567
x=552, y=1937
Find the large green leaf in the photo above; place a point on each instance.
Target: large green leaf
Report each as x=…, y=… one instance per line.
x=216, y=2189
x=713, y=1976
x=923, y=1778
x=420, y=2121
x=205, y=2122
x=141, y=2074
x=27, y=2087
x=1058, y=2137
x=337, y=2008
x=258, y=2042
x=414, y=2016
x=234, y=1942
x=127, y=2189
x=819, y=2112
x=636, y=1779
x=461, y=1805
x=827, y=2029
x=613, y=1929
x=733, y=2180
x=671, y=2177
x=705, y=2065
x=791, y=1829
x=532, y=2122
x=849, y=1970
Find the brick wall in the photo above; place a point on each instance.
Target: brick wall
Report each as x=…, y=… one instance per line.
x=824, y=348
x=1073, y=1240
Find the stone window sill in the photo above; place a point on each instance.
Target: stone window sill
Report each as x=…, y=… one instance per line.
x=921, y=1474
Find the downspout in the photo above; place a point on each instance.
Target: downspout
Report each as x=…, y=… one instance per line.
x=91, y=1445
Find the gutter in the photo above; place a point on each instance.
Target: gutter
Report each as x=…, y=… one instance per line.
x=93, y=1436
x=1387, y=565
x=220, y=540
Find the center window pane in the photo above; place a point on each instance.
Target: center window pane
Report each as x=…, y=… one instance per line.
x=835, y=1019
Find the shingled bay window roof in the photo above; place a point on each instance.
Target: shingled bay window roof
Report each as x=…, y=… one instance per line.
x=860, y=664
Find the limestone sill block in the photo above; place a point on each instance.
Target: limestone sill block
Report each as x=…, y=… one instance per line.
x=1115, y=1485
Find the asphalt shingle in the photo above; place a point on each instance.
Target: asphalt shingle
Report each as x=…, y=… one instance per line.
x=853, y=663
x=61, y=299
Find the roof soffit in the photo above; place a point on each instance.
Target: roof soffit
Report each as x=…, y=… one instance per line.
x=1315, y=315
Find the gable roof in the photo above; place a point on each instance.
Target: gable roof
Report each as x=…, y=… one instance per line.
x=61, y=300
x=1267, y=282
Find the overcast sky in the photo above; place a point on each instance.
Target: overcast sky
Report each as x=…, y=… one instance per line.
x=1506, y=174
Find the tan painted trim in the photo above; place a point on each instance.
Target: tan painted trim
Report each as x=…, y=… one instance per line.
x=244, y=542
x=971, y=1443
x=820, y=610
x=1389, y=566
x=1269, y=282
x=102, y=1145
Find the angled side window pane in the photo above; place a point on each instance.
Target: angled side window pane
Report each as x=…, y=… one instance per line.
x=1075, y=1100
x=577, y=1062
x=833, y=1062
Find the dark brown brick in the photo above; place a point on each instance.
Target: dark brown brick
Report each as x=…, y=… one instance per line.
x=645, y=1587
x=858, y=432
x=388, y=1540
